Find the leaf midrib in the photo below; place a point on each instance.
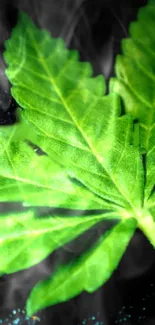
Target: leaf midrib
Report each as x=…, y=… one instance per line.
x=74, y=120
x=34, y=232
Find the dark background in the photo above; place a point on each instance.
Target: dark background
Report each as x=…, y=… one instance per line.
x=95, y=28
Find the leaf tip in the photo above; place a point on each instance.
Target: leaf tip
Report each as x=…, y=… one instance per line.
x=29, y=308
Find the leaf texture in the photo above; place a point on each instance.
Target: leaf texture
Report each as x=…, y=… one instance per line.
x=87, y=138
x=26, y=240
x=37, y=180
x=82, y=129
x=135, y=83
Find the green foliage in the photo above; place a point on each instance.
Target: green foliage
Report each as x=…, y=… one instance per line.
x=93, y=156
x=37, y=180
x=88, y=272
x=85, y=127
x=135, y=84
x=26, y=240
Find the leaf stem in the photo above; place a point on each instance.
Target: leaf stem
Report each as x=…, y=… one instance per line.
x=147, y=225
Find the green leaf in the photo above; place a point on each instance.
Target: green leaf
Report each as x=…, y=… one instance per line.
x=135, y=83
x=77, y=126
x=147, y=225
x=37, y=180
x=92, y=150
x=26, y=240
x=87, y=273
